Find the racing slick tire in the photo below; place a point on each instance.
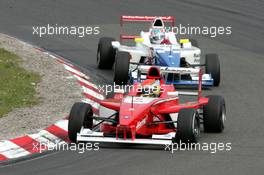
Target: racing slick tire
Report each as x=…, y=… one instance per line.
x=214, y=114
x=121, y=69
x=105, y=53
x=194, y=42
x=188, y=126
x=80, y=115
x=212, y=66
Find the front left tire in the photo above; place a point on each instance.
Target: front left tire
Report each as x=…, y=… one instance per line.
x=121, y=69
x=105, y=53
x=80, y=116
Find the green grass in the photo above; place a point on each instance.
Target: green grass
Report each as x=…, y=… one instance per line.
x=17, y=86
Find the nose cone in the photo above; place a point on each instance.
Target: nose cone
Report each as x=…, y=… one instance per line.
x=133, y=109
x=129, y=115
x=169, y=58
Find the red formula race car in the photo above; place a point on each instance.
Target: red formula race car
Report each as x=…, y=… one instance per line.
x=150, y=113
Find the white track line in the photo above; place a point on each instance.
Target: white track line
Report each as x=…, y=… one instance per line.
x=63, y=124
x=92, y=93
x=92, y=103
x=42, y=140
x=74, y=71
x=11, y=150
x=52, y=138
x=85, y=82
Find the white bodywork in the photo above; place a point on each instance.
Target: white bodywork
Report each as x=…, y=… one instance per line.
x=142, y=49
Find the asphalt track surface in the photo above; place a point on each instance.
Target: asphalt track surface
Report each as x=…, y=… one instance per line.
x=242, y=81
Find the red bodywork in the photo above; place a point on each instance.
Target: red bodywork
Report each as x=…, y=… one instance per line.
x=137, y=113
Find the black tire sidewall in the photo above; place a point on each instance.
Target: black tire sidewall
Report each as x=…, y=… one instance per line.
x=185, y=122
x=107, y=53
x=121, y=68
x=212, y=114
x=77, y=118
x=212, y=66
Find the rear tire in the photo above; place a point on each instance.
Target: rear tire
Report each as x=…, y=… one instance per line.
x=212, y=66
x=121, y=69
x=105, y=53
x=80, y=116
x=188, y=126
x=214, y=114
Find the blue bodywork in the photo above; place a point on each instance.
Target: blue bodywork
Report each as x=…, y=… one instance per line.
x=172, y=59
x=167, y=58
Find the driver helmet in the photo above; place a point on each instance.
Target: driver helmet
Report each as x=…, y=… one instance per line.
x=151, y=90
x=157, y=35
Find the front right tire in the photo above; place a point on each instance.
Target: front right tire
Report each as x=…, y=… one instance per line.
x=214, y=114
x=212, y=66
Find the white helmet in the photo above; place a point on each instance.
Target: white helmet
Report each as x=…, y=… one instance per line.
x=157, y=35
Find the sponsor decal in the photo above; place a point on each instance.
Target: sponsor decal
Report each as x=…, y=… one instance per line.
x=141, y=123
x=138, y=100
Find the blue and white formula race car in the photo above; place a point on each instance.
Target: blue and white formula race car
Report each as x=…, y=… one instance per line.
x=158, y=46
